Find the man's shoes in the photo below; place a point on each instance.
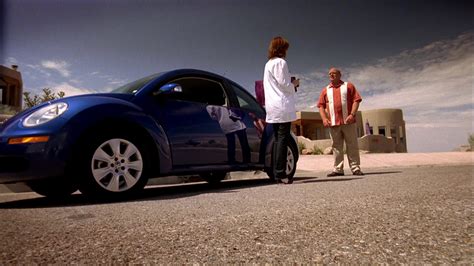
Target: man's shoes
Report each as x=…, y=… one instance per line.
x=358, y=172
x=332, y=174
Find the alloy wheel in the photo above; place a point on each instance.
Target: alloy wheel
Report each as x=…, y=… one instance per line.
x=117, y=165
x=290, y=161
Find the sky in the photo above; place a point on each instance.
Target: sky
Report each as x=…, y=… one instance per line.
x=414, y=55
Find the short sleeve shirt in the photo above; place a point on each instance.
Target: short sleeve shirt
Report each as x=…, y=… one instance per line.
x=338, y=100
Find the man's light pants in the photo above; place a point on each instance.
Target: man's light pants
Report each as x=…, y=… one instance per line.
x=347, y=133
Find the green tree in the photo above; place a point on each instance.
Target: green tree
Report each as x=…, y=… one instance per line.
x=47, y=95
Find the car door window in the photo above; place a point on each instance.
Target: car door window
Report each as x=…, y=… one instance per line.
x=247, y=101
x=200, y=90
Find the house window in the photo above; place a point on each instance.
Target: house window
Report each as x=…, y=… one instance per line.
x=382, y=131
x=371, y=129
x=393, y=132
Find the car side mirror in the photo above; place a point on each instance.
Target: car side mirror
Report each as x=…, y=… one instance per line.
x=169, y=88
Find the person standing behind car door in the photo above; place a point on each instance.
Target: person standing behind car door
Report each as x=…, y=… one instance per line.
x=279, y=102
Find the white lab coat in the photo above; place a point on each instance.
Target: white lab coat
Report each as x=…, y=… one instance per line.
x=279, y=92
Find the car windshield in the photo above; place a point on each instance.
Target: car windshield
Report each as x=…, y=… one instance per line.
x=136, y=85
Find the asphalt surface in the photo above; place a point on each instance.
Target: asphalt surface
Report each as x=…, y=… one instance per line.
x=413, y=215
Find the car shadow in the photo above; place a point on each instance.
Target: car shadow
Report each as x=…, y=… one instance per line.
x=153, y=192
x=160, y=192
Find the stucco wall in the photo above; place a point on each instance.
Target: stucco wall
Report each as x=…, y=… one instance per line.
x=367, y=144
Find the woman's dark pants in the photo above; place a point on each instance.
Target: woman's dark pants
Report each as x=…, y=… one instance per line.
x=282, y=135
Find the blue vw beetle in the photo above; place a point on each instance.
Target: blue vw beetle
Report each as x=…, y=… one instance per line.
x=173, y=123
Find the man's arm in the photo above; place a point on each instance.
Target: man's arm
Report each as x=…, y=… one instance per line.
x=324, y=117
x=351, y=117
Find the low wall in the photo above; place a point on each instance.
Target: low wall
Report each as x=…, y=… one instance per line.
x=309, y=144
x=376, y=144
x=367, y=144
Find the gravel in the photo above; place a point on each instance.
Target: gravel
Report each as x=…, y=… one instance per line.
x=408, y=215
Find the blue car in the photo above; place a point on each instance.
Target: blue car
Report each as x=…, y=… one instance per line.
x=179, y=122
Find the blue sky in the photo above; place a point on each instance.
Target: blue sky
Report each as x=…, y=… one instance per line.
x=415, y=55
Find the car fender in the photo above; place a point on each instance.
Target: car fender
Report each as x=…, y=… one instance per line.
x=113, y=112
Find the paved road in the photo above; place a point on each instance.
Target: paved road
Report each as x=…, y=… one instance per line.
x=400, y=215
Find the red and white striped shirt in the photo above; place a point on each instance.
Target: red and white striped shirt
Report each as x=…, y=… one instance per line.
x=337, y=101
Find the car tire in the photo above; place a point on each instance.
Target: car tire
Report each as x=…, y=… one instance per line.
x=291, y=160
x=113, y=166
x=53, y=188
x=213, y=177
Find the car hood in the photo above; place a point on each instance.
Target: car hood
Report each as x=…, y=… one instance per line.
x=80, y=98
x=122, y=96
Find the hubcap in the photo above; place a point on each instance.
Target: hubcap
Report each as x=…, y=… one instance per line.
x=117, y=165
x=290, y=161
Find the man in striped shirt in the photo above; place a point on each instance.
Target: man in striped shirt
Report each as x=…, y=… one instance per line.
x=338, y=105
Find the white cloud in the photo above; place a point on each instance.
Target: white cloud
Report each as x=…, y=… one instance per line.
x=10, y=61
x=60, y=66
x=69, y=89
x=39, y=69
x=117, y=82
x=433, y=85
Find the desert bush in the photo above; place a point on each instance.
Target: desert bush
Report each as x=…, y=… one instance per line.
x=316, y=150
x=301, y=147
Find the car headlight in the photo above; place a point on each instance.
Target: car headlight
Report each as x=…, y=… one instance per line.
x=45, y=114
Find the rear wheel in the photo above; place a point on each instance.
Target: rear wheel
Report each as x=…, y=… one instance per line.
x=53, y=188
x=214, y=177
x=113, y=165
x=290, y=163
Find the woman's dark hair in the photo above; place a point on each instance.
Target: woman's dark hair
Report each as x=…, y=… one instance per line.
x=278, y=47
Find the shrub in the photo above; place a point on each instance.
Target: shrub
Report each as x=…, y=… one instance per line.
x=301, y=147
x=316, y=150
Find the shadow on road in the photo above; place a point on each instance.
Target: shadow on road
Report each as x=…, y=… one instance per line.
x=331, y=179
x=383, y=173
x=158, y=192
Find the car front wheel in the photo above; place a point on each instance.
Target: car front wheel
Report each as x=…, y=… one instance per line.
x=114, y=166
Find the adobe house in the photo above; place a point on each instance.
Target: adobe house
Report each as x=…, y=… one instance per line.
x=11, y=89
x=378, y=131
